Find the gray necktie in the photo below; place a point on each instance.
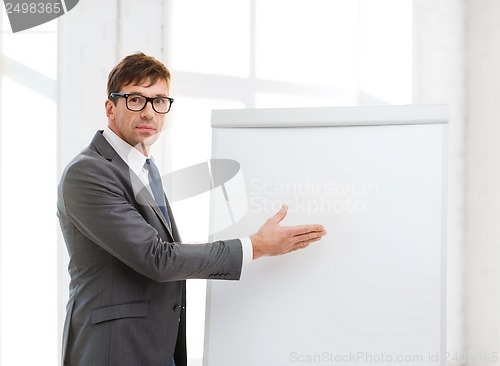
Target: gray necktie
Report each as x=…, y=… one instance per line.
x=157, y=188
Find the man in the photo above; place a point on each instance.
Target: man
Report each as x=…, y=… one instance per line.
x=127, y=265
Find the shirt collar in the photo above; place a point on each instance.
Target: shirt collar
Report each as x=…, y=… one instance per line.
x=131, y=156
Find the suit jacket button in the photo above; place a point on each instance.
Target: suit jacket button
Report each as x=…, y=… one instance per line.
x=228, y=276
x=177, y=308
x=211, y=276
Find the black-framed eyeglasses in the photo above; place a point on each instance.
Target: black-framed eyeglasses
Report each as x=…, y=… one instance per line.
x=137, y=102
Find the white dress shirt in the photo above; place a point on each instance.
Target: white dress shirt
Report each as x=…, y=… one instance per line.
x=136, y=160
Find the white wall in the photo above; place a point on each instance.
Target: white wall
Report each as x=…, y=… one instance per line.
x=458, y=60
x=439, y=77
x=482, y=249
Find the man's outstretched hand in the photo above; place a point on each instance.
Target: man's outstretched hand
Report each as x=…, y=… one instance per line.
x=273, y=239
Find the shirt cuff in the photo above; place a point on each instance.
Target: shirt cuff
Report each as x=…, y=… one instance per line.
x=246, y=246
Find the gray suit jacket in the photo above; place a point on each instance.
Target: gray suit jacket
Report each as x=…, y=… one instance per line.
x=128, y=271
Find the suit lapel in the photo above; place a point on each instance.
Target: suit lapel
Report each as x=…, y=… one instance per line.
x=141, y=192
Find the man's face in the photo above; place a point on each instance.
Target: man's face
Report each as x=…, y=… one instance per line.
x=139, y=129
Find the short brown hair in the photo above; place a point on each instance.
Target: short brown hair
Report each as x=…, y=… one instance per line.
x=136, y=69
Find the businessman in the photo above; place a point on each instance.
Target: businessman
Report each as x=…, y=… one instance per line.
x=127, y=303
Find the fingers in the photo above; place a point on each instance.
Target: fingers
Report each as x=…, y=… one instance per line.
x=309, y=236
x=304, y=244
x=305, y=229
x=303, y=240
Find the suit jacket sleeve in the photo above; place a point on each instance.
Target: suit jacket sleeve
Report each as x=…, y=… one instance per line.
x=96, y=198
